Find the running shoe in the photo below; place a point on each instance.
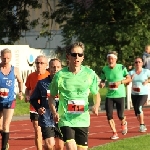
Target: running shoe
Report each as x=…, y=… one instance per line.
x=124, y=128
x=142, y=128
x=115, y=136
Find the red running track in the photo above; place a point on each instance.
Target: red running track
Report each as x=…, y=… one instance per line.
x=22, y=135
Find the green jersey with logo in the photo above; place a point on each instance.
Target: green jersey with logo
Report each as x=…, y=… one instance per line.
x=118, y=73
x=73, y=95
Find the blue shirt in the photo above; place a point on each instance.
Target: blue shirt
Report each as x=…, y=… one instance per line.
x=42, y=92
x=7, y=86
x=137, y=87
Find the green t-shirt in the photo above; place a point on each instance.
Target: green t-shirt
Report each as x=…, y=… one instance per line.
x=118, y=73
x=73, y=95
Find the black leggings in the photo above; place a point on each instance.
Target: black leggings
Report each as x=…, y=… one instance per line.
x=120, y=105
x=138, y=101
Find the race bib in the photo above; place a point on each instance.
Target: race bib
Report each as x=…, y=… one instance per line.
x=4, y=92
x=76, y=106
x=112, y=86
x=136, y=89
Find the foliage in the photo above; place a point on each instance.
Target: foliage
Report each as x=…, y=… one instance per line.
x=14, y=19
x=113, y=25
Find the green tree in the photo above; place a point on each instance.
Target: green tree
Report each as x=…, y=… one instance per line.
x=105, y=25
x=14, y=19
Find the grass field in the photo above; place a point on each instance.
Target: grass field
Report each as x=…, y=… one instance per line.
x=135, y=143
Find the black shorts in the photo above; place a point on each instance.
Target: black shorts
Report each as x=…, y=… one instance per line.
x=58, y=133
x=8, y=105
x=79, y=134
x=34, y=117
x=48, y=132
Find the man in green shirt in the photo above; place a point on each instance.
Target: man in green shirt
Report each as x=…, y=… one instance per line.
x=74, y=84
x=116, y=76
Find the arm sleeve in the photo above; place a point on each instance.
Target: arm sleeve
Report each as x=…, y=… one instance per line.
x=36, y=95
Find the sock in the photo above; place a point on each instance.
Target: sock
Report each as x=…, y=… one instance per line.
x=142, y=124
x=5, y=137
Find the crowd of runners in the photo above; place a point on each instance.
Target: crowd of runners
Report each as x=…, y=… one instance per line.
x=58, y=96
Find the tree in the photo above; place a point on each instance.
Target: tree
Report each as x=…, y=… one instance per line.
x=14, y=19
x=105, y=25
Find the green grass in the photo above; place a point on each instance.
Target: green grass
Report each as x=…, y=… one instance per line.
x=134, y=143
x=22, y=108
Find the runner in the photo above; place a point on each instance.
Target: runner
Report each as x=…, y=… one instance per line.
x=32, y=79
x=48, y=127
x=146, y=57
x=140, y=90
x=8, y=73
x=116, y=76
x=73, y=83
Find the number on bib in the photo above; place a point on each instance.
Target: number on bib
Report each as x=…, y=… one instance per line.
x=136, y=89
x=76, y=106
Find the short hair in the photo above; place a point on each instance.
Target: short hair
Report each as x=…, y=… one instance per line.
x=76, y=44
x=41, y=56
x=53, y=59
x=138, y=57
x=113, y=52
x=5, y=50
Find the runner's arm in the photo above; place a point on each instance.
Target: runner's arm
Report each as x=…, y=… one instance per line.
x=126, y=80
x=19, y=79
x=97, y=100
x=51, y=102
x=35, y=96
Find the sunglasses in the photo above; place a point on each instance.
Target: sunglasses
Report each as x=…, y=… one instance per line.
x=136, y=62
x=39, y=63
x=75, y=54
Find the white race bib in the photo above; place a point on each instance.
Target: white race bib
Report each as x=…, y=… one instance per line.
x=112, y=86
x=76, y=106
x=4, y=92
x=136, y=89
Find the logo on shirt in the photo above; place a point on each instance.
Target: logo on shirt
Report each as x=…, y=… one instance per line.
x=9, y=82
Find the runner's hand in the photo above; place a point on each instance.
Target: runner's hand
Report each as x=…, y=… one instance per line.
x=95, y=110
x=144, y=83
x=56, y=117
x=20, y=96
x=102, y=85
x=117, y=83
x=27, y=99
x=41, y=111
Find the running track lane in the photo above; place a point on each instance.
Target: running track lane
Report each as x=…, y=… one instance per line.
x=22, y=135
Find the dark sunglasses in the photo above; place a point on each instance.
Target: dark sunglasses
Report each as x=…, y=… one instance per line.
x=137, y=62
x=39, y=63
x=75, y=54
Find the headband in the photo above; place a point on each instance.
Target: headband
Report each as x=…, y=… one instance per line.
x=112, y=55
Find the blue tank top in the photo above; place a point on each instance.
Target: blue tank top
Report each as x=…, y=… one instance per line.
x=7, y=86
